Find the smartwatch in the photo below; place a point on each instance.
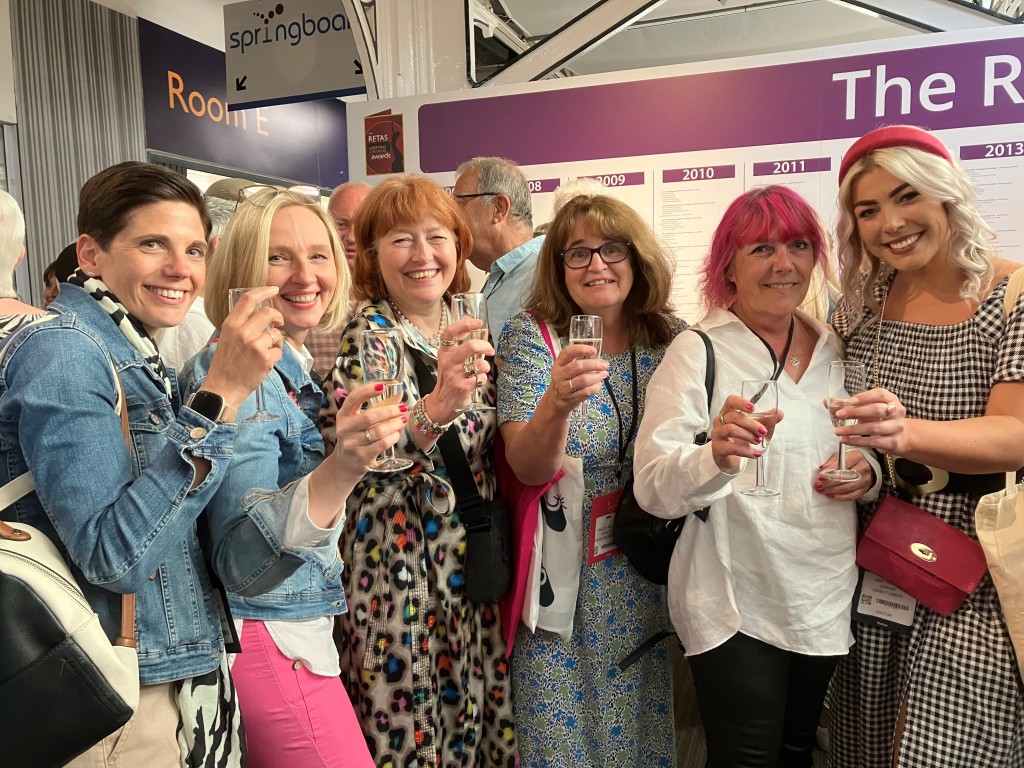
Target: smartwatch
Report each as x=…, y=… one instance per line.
x=211, y=405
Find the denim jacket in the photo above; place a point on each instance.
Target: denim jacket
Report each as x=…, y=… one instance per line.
x=126, y=522
x=268, y=456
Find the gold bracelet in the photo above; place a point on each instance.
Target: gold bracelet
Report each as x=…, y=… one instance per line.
x=424, y=423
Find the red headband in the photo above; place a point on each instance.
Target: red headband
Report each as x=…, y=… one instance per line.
x=892, y=136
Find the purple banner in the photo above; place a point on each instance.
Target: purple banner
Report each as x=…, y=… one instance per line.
x=544, y=185
x=990, y=151
x=945, y=86
x=619, y=179
x=784, y=167
x=705, y=173
x=184, y=94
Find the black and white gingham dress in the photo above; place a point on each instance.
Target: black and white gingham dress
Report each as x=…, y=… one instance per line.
x=958, y=673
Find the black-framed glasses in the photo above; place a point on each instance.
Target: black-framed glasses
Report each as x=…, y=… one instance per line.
x=580, y=256
x=471, y=195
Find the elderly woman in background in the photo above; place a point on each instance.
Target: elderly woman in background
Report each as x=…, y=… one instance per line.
x=425, y=665
x=14, y=313
x=923, y=308
x=572, y=706
x=760, y=593
x=126, y=515
x=295, y=708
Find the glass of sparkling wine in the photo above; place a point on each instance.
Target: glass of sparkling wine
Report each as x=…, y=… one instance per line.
x=764, y=394
x=845, y=378
x=473, y=305
x=585, y=329
x=381, y=353
x=262, y=415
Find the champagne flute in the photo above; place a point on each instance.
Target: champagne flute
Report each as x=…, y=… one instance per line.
x=764, y=394
x=845, y=378
x=473, y=305
x=586, y=329
x=381, y=353
x=262, y=415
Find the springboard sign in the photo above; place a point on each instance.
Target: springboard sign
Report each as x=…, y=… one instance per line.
x=288, y=51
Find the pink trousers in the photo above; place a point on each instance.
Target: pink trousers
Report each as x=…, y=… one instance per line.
x=293, y=717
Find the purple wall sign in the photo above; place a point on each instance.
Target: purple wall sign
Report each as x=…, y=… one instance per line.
x=944, y=86
x=784, y=167
x=990, y=151
x=183, y=89
x=704, y=173
x=544, y=185
x=635, y=179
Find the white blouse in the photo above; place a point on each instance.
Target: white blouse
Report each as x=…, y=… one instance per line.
x=779, y=569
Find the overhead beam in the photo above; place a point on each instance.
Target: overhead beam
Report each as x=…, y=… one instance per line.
x=594, y=25
x=931, y=15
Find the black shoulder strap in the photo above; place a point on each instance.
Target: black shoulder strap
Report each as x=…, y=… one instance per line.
x=459, y=472
x=709, y=387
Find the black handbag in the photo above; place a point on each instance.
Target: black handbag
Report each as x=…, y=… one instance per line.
x=648, y=541
x=488, y=564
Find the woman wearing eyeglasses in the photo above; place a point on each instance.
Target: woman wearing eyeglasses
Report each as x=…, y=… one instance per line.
x=572, y=706
x=294, y=707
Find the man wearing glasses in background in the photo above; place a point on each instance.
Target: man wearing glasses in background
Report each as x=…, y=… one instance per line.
x=495, y=199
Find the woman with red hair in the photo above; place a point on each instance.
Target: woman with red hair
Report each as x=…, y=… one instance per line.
x=759, y=592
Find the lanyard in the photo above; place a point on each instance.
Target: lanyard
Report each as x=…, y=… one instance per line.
x=624, y=442
x=780, y=363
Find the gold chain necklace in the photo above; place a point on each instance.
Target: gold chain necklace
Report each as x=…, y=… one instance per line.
x=434, y=339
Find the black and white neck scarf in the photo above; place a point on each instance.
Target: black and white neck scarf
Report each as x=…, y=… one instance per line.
x=132, y=329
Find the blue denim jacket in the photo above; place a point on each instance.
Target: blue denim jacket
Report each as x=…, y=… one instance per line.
x=127, y=522
x=268, y=456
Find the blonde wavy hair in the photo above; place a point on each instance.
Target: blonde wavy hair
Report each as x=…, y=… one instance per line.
x=970, y=244
x=242, y=254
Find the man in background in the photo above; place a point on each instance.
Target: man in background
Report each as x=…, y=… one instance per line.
x=345, y=201
x=495, y=199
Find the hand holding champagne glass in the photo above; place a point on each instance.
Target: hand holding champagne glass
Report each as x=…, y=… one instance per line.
x=845, y=378
x=586, y=329
x=381, y=353
x=473, y=305
x=764, y=394
x=262, y=415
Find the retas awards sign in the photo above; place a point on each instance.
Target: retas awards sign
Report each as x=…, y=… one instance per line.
x=293, y=50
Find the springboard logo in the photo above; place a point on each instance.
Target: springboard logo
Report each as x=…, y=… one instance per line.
x=270, y=28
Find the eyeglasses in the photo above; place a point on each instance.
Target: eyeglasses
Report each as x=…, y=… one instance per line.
x=259, y=194
x=460, y=198
x=580, y=256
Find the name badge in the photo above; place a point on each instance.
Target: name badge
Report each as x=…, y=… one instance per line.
x=602, y=521
x=878, y=603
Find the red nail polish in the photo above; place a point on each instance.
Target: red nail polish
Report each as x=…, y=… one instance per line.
x=378, y=387
x=405, y=419
x=749, y=406
x=762, y=430
x=403, y=408
x=819, y=486
x=757, y=455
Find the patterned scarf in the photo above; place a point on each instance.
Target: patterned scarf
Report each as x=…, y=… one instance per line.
x=132, y=329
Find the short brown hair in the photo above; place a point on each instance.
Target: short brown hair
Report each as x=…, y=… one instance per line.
x=109, y=198
x=398, y=201
x=647, y=311
x=242, y=255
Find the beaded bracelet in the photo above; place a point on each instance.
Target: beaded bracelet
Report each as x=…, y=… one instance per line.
x=424, y=423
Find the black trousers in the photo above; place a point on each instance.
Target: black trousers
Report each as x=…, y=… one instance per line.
x=760, y=704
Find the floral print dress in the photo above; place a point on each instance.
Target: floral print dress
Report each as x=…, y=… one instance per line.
x=424, y=665
x=573, y=706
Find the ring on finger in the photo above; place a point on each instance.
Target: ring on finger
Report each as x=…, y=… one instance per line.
x=369, y=437
x=480, y=382
x=721, y=418
x=470, y=369
x=446, y=342
x=269, y=335
x=572, y=387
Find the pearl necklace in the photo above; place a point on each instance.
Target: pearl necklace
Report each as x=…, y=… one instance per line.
x=434, y=339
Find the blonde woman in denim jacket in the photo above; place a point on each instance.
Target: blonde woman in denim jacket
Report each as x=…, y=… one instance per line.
x=294, y=706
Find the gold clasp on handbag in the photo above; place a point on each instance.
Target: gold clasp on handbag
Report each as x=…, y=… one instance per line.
x=924, y=552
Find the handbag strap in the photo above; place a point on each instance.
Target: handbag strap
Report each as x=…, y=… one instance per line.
x=24, y=484
x=702, y=438
x=470, y=503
